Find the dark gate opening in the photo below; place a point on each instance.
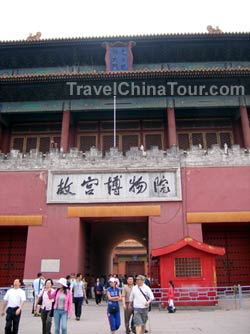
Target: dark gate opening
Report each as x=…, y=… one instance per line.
x=102, y=235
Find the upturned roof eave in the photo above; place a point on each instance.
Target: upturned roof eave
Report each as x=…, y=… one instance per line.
x=126, y=75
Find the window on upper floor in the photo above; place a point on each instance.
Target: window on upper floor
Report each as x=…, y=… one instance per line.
x=204, y=138
x=130, y=133
x=40, y=142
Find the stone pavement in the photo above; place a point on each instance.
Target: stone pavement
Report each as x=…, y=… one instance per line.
x=94, y=321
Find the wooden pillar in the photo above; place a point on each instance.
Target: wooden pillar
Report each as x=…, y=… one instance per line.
x=5, y=140
x=237, y=133
x=245, y=126
x=65, y=131
x=1, y=137
x=172, y=138
x=72, y=135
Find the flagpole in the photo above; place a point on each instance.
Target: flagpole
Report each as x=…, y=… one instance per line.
x=114, y=121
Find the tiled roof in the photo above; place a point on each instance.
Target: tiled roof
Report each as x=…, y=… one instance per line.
x=126, y=75
x=94, y=39
x=188, y=241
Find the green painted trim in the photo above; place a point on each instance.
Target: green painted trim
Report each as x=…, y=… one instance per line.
x=129, y=103
x=136, y=67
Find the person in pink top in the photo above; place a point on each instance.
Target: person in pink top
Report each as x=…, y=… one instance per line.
x=44, y=304
x=171, y=307
x=62, y=306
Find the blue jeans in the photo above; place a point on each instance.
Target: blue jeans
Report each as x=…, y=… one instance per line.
x=60, y=320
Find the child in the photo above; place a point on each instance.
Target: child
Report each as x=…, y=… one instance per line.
x=171, y=307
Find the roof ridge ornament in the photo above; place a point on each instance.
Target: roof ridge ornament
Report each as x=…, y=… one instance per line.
x=35, y=37
x=215, y=30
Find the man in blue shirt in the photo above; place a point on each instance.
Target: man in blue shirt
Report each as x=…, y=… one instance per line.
x=37, y=285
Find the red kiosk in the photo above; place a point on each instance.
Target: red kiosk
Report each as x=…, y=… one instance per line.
x=191, y=265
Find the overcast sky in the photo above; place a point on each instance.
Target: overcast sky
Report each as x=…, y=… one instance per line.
x=80, y=18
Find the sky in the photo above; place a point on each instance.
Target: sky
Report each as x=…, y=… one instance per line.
x=87, y=18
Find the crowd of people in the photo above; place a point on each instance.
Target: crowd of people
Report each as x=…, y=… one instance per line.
x=133, y=293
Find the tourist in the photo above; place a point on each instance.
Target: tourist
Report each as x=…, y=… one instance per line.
x=37, y=285
x=141, y=297
x=128, y=309
x=44, y=304
x=62, y=305
x=171, y=307
x=98, y=290
x=79, y=293
x=113, y=311
x=13, y=302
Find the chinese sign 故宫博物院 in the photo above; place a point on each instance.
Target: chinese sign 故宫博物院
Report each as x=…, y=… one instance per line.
x=77, y=187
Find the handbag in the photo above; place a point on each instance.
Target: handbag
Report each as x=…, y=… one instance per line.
x=40, y=299
x=171, y=309
x=113, y=308
x=51, y=313
x=98, y=292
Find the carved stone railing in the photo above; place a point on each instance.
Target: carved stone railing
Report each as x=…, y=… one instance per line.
x=234, y=156
x=134, y=158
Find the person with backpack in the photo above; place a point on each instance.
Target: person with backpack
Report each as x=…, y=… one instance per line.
x=37, y=285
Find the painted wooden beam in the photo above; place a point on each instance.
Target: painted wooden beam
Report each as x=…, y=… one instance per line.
x=218, y=217
x=21, y=220
x=114, y=211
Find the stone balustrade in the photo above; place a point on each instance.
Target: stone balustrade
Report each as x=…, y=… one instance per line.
x=134, y=158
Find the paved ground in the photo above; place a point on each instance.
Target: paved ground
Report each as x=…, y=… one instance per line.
x=94, y=321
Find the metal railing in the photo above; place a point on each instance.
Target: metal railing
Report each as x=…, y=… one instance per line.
x=187, y=296
x=28, y=292
x=204, y=296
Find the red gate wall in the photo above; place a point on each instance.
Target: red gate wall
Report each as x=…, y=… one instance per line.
x=12, y=254
x=234, y=267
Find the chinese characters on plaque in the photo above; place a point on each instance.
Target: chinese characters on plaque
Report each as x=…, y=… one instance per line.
x=118, y=59
x=107, y=187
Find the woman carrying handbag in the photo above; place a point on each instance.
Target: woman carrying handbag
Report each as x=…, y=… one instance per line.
x=62, y=306
x=44, y=305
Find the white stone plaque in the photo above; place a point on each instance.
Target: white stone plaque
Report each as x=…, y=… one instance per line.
x=118, y=186
x=50, y=265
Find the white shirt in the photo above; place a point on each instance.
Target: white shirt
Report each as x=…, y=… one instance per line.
x=38, y=284
x=137, y=297
x=15, y=297
x=78, y=287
